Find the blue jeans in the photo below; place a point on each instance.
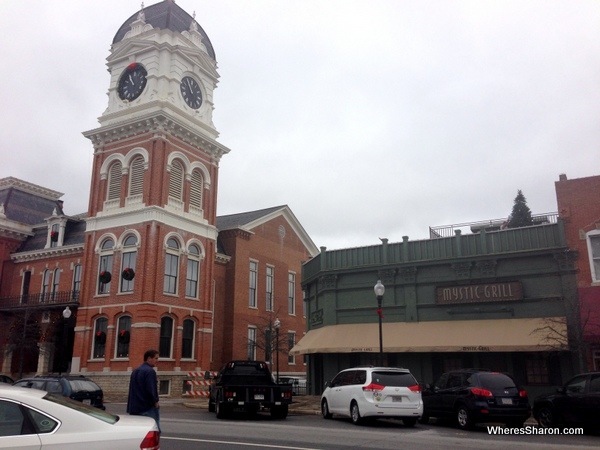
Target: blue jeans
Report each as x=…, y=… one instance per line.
x=155, y=414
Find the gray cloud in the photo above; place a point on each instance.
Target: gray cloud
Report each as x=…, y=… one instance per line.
x=369, y=118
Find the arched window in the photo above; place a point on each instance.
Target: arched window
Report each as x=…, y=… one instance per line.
x=46, y=280
x=192, y=276
x=187, y=339
x=123, y=337
x=25, y=288
x=55, y=283
x=105, y=266
x=76, y=281
x=171, y=266
x=99, y=343
x=136, y=176
x=54, y=235
x=166, y=337
x=176, y=180
x=114, y=181
x=196, y=188
x=128, y=260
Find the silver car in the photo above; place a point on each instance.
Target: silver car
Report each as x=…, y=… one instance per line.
x=373, y=392
x=31, y=418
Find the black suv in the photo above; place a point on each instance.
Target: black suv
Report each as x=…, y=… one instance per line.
x=473, y=396
x=577, y=403
x=78, y=388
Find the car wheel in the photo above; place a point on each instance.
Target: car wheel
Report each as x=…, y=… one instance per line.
x=279, y=412
x=424, y=419
x=221, y=410
x=325, y=410
x=355, y=413
x=211, y=405
x=409, y=421
x=463, y=418
x=546, y=417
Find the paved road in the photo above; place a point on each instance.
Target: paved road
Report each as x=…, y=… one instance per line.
x=187, y=427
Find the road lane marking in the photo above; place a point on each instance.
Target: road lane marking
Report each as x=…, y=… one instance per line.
x=249, y=444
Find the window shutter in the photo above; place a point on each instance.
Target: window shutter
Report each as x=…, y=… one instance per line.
x=114, y=181
x=176, y=181
x=196, y=189
x=136, y=176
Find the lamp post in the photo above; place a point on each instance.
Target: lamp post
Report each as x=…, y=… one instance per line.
x=276, y=325
x=65, y=337
x=379, y=291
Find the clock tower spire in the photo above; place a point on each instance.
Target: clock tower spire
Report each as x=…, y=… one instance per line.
x=151, y=227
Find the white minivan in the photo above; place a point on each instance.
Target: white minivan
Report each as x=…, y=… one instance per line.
x=372, y=392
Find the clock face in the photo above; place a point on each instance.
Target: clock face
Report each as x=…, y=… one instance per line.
x=132, y=82
x=190, y=90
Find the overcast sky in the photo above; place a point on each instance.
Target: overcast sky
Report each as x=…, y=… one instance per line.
x=369, y=118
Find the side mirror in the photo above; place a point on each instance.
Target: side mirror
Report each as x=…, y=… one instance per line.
x=561, y=390
x=328, y=384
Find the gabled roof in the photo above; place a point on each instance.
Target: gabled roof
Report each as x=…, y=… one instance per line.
x=252, y=219
x=242, y=220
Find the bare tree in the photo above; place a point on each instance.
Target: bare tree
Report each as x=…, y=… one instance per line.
x=24, y=336
x=267, y=337
x=566, y=333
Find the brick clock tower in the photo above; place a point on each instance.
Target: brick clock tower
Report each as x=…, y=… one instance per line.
x=150, y=239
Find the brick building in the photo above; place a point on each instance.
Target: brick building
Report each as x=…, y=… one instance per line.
x=147, y=265
x=579, y=207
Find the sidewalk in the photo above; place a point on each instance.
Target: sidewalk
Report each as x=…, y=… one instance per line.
x=301, y=404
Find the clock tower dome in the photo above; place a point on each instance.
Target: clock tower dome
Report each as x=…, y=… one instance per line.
x=150, y=239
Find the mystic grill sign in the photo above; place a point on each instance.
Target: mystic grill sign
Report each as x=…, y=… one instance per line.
x=476, y=293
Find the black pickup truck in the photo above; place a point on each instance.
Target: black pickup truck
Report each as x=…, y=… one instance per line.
x=248, y=386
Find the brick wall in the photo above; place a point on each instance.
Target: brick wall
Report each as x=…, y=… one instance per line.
x=115, y=385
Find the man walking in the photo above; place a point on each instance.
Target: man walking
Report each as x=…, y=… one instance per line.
x=143, y=389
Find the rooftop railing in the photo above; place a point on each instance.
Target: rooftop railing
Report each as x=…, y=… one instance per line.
x=46, y=300
x=487, y=225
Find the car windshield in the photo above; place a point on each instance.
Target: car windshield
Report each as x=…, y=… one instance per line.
x=393, y=379
x=496, y=381
x=83, y=385
x=85, y=409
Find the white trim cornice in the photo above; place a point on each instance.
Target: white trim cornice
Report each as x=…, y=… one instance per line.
x=160, y=125
x=175, y=219
x=15, y=230
x=30, y=188
x=47, y=253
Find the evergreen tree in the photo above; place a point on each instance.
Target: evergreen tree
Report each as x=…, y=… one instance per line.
x=521, y=214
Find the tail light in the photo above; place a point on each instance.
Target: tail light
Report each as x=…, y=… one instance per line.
x=151, y=441
x=415, y=388
x=480, y=392
x=373, y=387
x=523, y=393
x=229, y=394
x=286, y=394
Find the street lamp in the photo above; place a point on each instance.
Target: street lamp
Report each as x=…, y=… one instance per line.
x=276, y=325
x=65, y=336
x=379, y=291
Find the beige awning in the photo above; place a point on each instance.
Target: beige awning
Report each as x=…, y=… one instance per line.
x=501, y=335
